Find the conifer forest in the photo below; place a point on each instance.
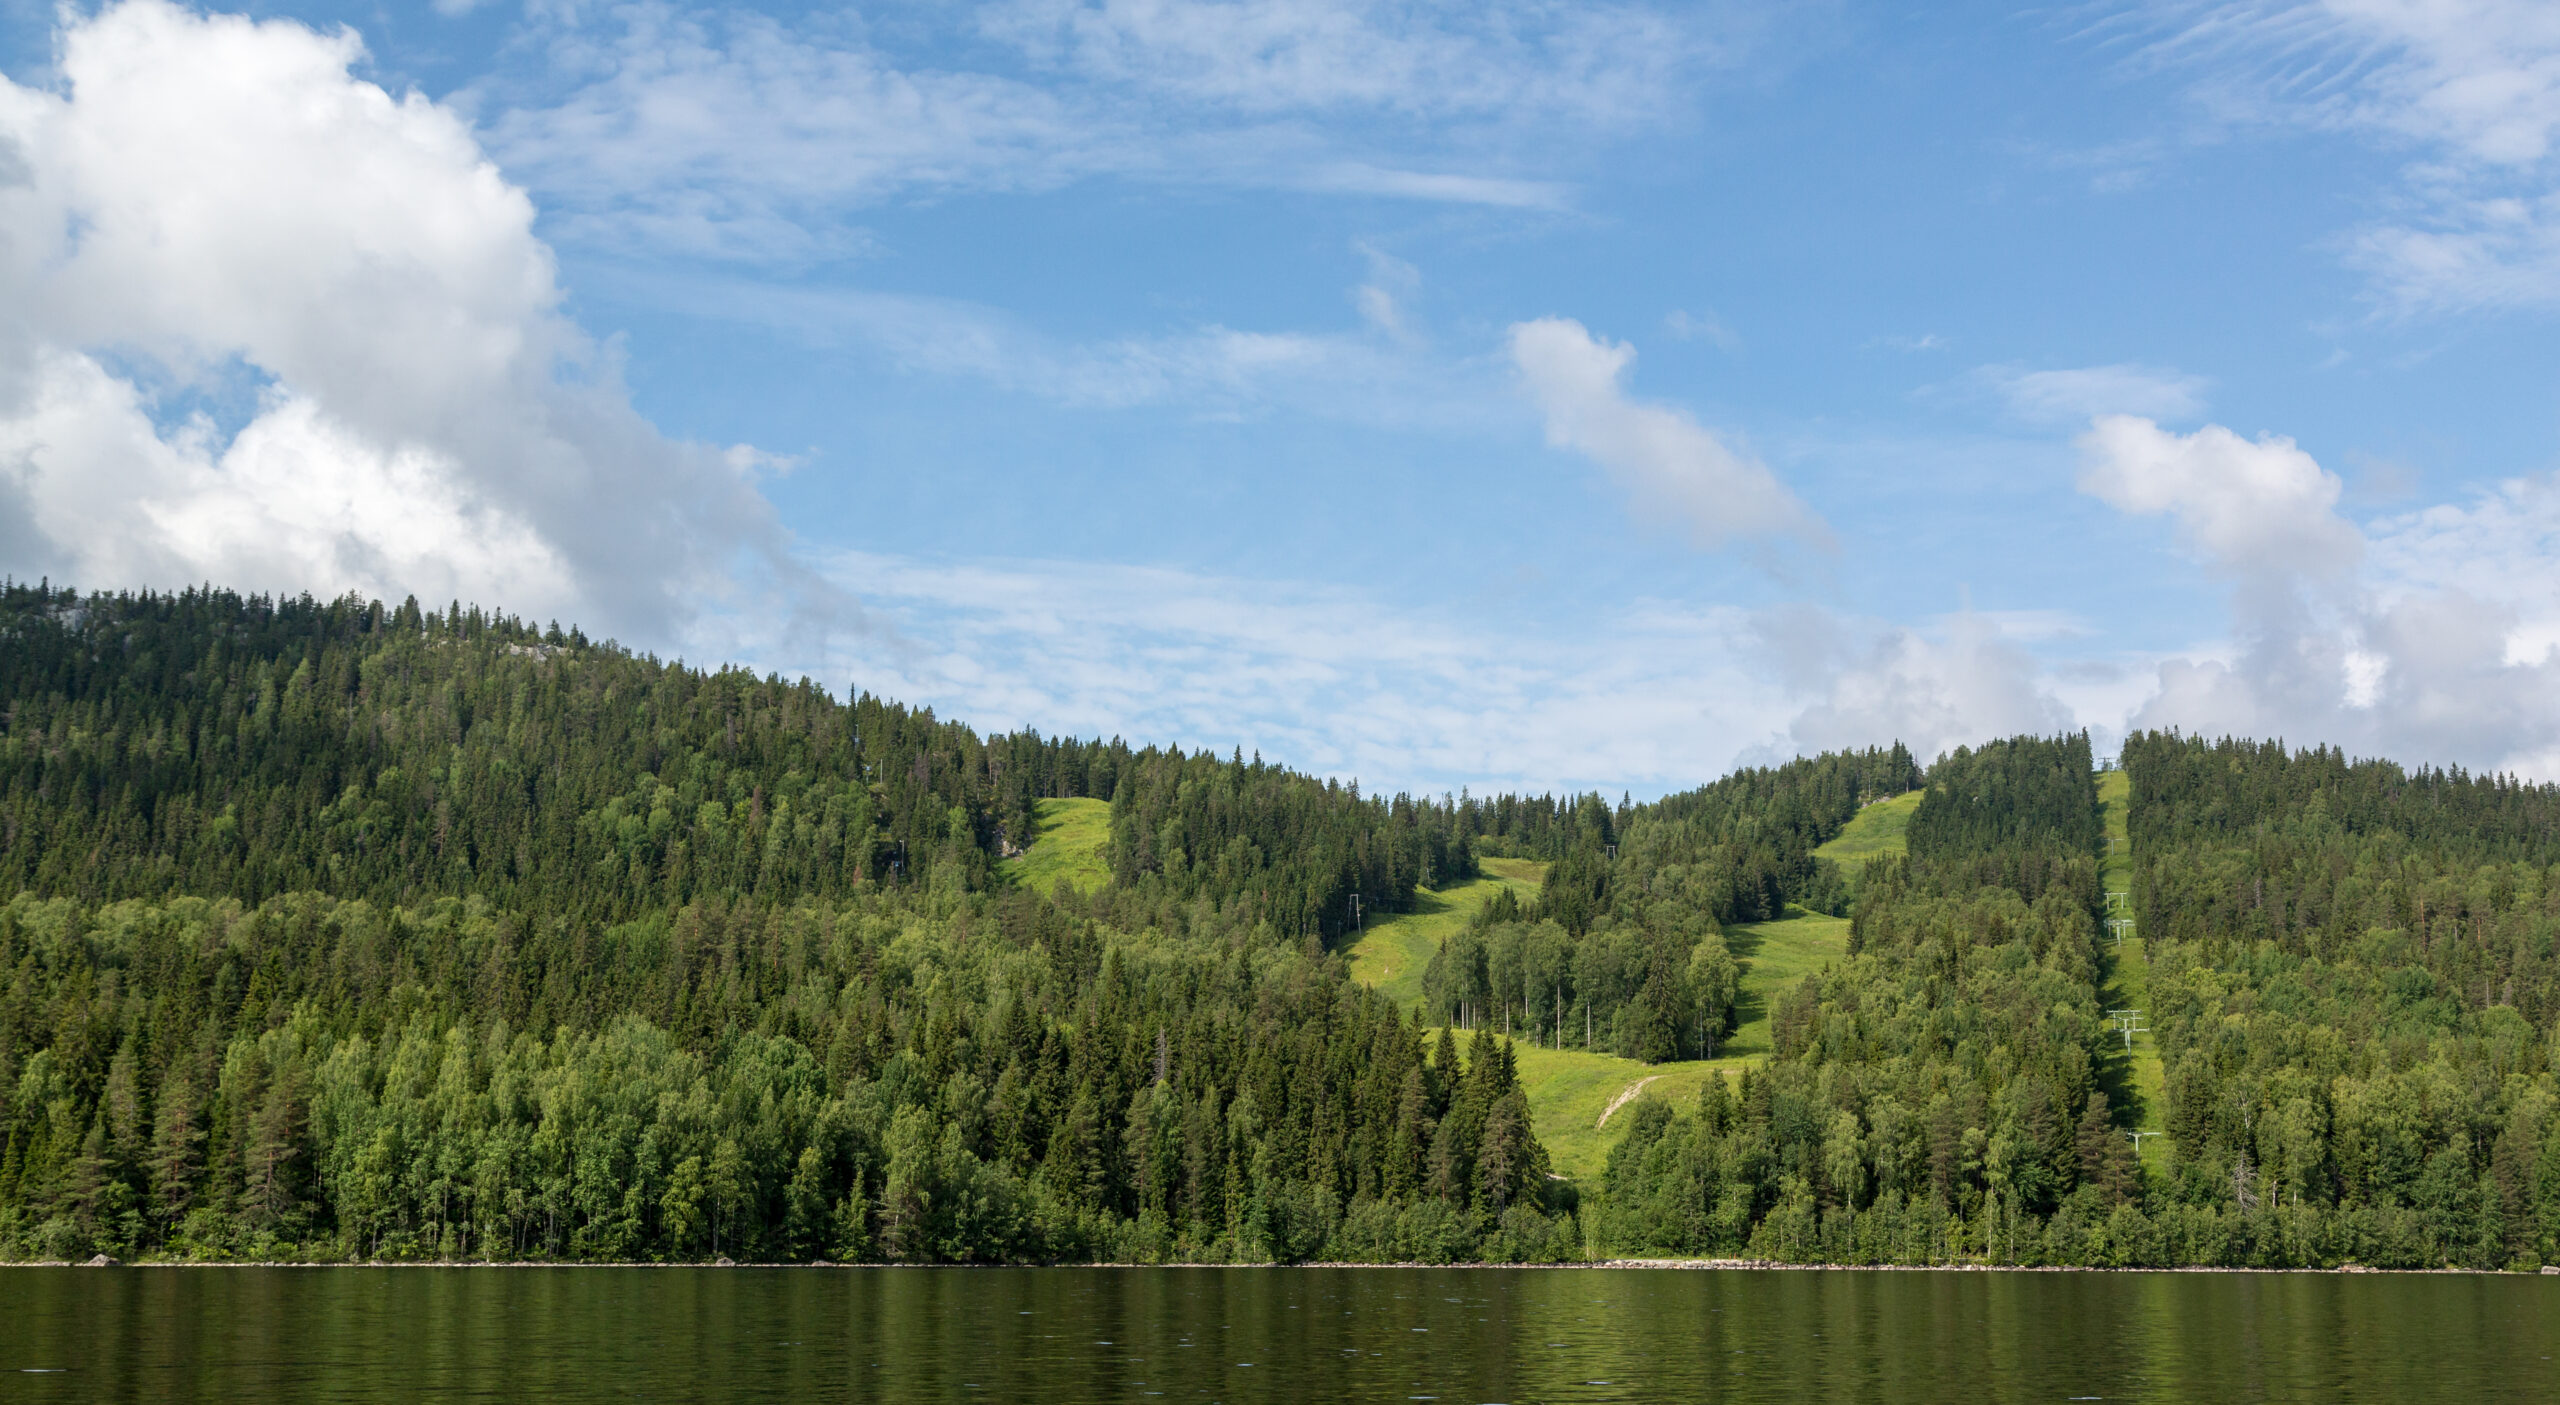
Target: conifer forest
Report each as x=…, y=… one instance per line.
x=349, y=931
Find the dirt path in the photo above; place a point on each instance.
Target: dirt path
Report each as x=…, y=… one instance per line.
x=1625, y=1096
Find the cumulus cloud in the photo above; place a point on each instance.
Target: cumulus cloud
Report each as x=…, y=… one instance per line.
x=2243, y=505
x=2427, y=638
x=214, y=202
x=1967, y=679
x=1668, y=462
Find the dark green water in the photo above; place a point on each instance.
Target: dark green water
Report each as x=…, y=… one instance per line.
x=1075, y=1335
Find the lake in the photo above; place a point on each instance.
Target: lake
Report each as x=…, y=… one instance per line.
x=1306, y=1334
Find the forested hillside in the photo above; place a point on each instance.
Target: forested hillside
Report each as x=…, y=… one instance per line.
x=2351, y=981
x=337, y=930
x=2356, y=998
x=207, y=744
x=1936, y=1096
x=345, y=931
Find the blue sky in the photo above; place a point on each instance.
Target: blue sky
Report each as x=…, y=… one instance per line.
x=1494, y=395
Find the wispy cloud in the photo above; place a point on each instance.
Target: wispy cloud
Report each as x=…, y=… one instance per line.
x=735, y=136
x=1651, y=697
x=1327, y=678
x=657, y=128
x=1383, y=370
x=1701, y=326
x=2072, y=395
x=1360, y=178
x=2468, y=90
x=1516, y=63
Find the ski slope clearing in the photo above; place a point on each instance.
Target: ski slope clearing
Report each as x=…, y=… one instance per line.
x=1073, y=841
x=1877, y=830
x=1392, y=954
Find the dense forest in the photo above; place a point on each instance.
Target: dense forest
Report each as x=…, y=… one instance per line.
x=208, y=744
x=2351, y=983
x=2354, y=985
x=341, y=930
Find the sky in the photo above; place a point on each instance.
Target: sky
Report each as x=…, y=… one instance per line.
x=1507, y=395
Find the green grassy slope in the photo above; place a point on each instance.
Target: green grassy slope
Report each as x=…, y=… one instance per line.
x=1776, y=956
x=1879, y=828
x=1390, y=956
x=1071, y=841
x=1570, y=1089
x=2138, y=1071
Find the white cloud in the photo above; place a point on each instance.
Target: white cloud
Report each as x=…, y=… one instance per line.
x=660, y=128
x=2245, y=506
x=2485, y=251
x=1665, y=460
x=738, y=137
x=1958, y=684
x=2427, y=640
x=1652, y=697
x=2075, y=394
x=1361, y=178
x=2501, y=550
x=212, y=197
x=1701, y=326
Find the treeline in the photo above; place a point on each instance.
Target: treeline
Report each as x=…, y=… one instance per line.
x=980, y=1079
x=1270, y=846
x=1623, y=948
x=2018, y=797
x=213, y=744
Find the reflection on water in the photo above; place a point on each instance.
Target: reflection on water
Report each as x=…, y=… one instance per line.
x=1240, y=1335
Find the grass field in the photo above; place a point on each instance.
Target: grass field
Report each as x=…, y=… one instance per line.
x=1878, y=829
x=1071, y=839
x=1776, y=956
x=1390, y=957
x=1569, y=1089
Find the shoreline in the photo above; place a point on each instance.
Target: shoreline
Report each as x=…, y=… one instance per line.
x=1667, y=1265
